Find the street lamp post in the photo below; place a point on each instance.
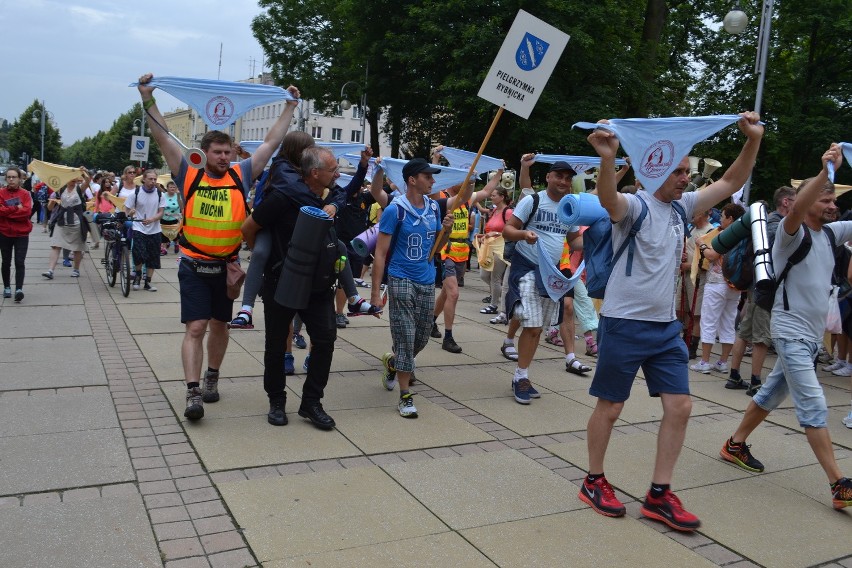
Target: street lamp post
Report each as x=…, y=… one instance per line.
x=735, y=22
x=345, y=104
x=41, y=115
x=139, y=126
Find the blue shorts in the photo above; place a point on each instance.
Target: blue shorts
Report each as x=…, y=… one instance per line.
x=203, y=297
x=626, y=345
x=794, y=374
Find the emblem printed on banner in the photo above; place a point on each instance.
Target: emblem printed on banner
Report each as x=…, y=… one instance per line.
x=140, y=144
x=556, y=283
x=531, y=52
x=657, y=159
x=220, y=110
x=54, y=181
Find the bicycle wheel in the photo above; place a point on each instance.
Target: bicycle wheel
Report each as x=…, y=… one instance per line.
x=109, y=264
x=124, y=269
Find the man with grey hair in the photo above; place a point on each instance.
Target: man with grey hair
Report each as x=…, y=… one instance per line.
x=278, y=213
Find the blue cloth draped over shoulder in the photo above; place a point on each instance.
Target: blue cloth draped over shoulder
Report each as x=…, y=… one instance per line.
x=219, y=103
x=656, y=146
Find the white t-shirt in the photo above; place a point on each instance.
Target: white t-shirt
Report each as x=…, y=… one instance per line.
x=808, y=283
x=546, y=225
x=648, y=294
x=124, y=192
x=146, y=207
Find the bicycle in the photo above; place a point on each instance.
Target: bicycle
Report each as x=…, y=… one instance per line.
x=115, y=230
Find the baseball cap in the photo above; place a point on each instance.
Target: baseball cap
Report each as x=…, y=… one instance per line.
x=418, y=166
x=562, y=166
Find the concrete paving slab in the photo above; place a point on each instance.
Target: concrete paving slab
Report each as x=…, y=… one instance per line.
x=840, y=434
x=489, y=352
x=29, y=321
x=574, y=539
x=350, y=392
x=242, y=442
x=630, y=463
x=487, y=488
x=145, y=326
x=547, y=415
x=640, y=407
x=466, y=331
x=166, y=292
x=286, y=517
x=806, y=532
x=809, y=480
x=162, y=351
x=778, y=450
x=52, y=461
x=47, y=293
x=151, y=310
x=111, y=532
x=252, y=340
x=237, y=400
x=469, y=383
x=62, y=411
x=34, y=363
x=433, y=551
x=380, y=430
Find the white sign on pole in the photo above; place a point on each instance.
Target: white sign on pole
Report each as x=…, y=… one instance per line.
x=524, y=64
x=139, y=147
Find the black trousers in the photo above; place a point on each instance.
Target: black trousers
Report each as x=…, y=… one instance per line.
x=318, y=318
x=19, y=245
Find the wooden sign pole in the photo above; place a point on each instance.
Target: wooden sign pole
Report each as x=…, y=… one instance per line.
x=459, y=202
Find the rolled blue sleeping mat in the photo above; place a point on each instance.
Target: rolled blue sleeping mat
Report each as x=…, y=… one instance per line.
x=297, y=274
x=580, y=209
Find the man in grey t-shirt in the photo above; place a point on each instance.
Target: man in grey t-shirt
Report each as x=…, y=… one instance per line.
x=798, y=327
x=638, y=327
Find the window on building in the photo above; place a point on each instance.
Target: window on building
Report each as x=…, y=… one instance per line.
x=357, y=112
x=356, y=136
x=338, y=111
x=336, y=134
x=316, y=132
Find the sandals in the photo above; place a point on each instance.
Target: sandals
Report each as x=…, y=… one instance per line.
x=489, y=309
x=363, y=308
x=501, y=318
x=242, y=321
x=509, y=352
x=576, y=367
x=553, y=338
x=592, y=349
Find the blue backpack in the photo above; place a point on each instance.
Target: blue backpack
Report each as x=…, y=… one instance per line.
x=598, y=254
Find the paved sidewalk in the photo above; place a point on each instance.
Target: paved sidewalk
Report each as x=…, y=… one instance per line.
x=98, y=468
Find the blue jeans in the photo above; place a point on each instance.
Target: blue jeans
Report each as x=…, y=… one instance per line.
x=794, y=373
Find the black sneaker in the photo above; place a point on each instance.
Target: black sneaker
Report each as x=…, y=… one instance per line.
x=451, y=345
x=211, y=387
x=315, y=413
x=194, y=405
x=736, y=384
x=436, y=333
x=19, y=295
x=739, y=454
x=276, y=415
x=752, y=389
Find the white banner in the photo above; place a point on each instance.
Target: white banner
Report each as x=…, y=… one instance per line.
x=139, y=147
x=524, y=64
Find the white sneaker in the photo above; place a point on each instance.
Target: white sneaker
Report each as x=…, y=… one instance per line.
x=701, y=367
x=720, y=367
x=406, y=406
x=847, y=420
x=834, y=366
x=844, y=371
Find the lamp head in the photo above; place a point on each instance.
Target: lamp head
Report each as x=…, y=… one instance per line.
x=35, y=119
x=345, y=104
x=735, y=21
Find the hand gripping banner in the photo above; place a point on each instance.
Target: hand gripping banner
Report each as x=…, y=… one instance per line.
x=656, y=146
x=219, y=103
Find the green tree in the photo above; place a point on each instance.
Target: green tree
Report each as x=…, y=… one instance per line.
x=25, y=136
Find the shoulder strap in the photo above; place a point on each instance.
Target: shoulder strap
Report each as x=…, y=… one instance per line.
x=535, y=199
x=798, y=256
x=630, y=242
x=503, y=214
x=682, y=212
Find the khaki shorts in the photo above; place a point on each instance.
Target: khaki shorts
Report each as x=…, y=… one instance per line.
x=755, y=324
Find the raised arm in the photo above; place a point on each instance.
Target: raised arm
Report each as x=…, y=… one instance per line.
x=606, y=145
x=810, y=192
x=170, y=149
x=377, y=187
x=738, y=173
x=524, y=178
x=275, y=135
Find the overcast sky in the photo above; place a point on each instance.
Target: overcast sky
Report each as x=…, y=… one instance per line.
x=79, y=56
